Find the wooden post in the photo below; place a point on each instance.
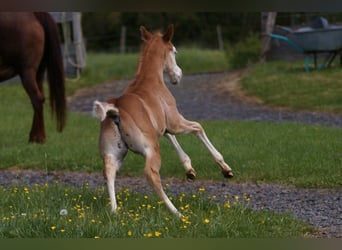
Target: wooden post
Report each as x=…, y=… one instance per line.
x=267, y=25
x=219, y=37
x=123, y=40
x=73, y=48
x=78, y=40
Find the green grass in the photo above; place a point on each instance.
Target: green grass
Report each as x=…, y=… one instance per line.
x=193, y=60
x=54, y=211
x=284, y=84
x=285, y=153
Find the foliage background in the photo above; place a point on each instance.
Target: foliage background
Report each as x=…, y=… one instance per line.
x=102, y=29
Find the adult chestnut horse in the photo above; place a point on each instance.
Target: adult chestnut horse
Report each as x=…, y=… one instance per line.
x=30, y=45
x=146, y=111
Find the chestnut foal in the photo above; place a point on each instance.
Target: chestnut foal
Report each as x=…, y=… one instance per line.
x=146, y=111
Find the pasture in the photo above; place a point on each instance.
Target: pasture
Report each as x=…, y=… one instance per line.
x=286, y=153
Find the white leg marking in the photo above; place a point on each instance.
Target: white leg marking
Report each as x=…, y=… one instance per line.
x=110, y=169
x=184, y=158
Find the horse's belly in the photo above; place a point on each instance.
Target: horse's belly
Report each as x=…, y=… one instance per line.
x=6, y=72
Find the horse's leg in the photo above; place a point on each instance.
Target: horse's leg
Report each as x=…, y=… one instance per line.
x=28, y=79
x=152, y=167
x=113, y=151
x=111, y=165
x=184, y=126
x=184, y=158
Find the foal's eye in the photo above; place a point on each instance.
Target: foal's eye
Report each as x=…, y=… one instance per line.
x=174, y=50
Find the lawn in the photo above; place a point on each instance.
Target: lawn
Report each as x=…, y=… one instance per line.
x=55, y=211
x=287, y=85
x=286, y=153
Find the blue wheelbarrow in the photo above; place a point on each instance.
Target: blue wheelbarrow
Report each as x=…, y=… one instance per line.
x=312, y=41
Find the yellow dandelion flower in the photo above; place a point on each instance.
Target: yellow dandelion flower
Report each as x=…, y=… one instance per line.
x=129, y=233
x=53, y=227
x=185, y=220
x=62, y=230
x=201, y=189
x=97, y=237
x=157, y=234
x=149, y=235
x=206, y=221
x=227, y=204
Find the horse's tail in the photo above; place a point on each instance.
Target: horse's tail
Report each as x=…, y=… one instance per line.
x=53, y=60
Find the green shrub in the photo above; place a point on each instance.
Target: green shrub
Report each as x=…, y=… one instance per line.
x=245, y=52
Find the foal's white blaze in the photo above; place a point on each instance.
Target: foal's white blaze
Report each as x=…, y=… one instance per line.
x=171, y=68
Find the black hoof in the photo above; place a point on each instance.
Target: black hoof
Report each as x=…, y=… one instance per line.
x=190, y=175
x=227, y=174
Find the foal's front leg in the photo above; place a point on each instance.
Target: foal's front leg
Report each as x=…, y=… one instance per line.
x=185, y=127
x=184, y=158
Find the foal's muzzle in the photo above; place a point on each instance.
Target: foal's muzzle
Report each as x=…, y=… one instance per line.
x=176, y=76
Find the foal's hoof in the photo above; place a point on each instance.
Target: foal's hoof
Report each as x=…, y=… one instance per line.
x=227, y=174
x=191, y=175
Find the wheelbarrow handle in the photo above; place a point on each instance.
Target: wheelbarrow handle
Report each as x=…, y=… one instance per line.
x=287, y=29
x=286, y=39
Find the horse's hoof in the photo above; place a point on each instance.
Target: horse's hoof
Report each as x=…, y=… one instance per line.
x=227, y=174
x=191, y=175
x=36, y=139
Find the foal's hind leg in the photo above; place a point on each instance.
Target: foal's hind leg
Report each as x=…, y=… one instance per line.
x=186, y=126
x=184, y=158
x=152, y=167
x=110, y=168
x=34, y=91
x=113, y=151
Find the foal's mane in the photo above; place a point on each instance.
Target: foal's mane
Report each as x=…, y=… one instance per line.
x=145, y=49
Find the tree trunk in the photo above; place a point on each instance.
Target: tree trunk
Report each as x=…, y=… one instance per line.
x=267, y=25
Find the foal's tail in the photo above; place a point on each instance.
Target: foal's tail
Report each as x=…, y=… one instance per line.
x=53, y=60
x=102, y=110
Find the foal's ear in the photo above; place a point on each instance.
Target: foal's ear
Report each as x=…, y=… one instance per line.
x=169, y=33
x=145, y=34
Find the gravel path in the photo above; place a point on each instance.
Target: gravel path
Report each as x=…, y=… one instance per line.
x=213, y=97
x=209, y=97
